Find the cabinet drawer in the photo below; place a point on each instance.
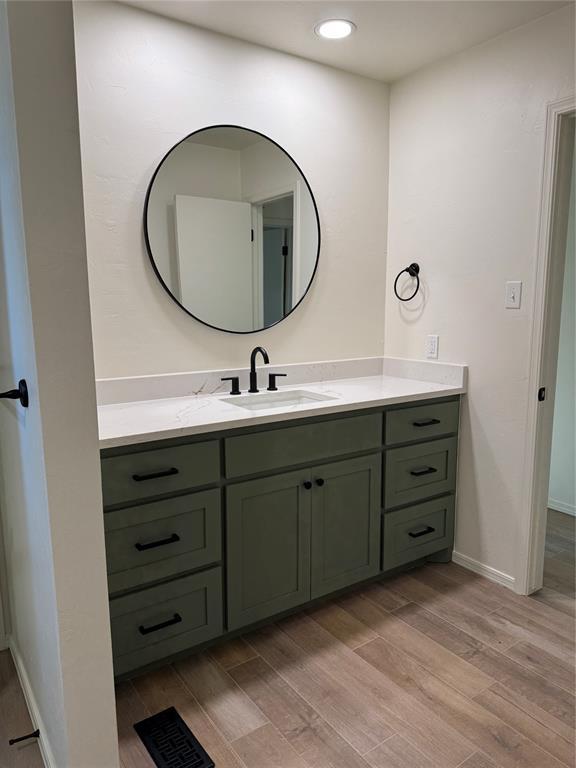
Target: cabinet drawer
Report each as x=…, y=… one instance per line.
x=162, y=539
x=279, y=448
x=406, y=425
x=419, y=471
x=160, y=621
x=415, y=532
x=151, y=473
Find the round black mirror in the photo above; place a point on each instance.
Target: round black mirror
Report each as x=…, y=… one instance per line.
x=232, y=228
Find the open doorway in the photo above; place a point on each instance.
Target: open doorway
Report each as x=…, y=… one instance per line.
x=275, y=254
x=551, y=431
x=559, y=571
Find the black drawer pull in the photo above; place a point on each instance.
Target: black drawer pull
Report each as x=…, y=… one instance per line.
x=423, y=471
x=307, y=484
x=425, y=422
x=423, y=532
x=156, y=475
x=176, y=619
x=160, y=543
x=320, y=482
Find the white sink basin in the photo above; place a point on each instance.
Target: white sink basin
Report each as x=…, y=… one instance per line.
x=283, y=399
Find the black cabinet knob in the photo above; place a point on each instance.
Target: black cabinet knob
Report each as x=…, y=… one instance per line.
x=307, y=485
x=320, y=482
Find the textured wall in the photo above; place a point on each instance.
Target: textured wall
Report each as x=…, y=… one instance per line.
x=144, y=83
x=50, y=492
x=466, y=152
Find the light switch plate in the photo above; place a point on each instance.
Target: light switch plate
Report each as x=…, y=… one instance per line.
x=432, y=347
x=513, y=294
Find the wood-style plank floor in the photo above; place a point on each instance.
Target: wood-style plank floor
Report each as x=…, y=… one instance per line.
x=14, y=720
x=437, y=668
x=559, y=571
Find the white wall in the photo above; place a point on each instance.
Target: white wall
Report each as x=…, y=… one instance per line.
x=466, y=151
x=144, y=83
x=50, y=494
x=562, y=490
x=4, y=640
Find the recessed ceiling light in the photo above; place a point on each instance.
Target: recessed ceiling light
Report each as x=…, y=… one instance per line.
x=335, y=29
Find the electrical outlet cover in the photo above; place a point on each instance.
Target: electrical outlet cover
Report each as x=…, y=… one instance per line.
x=432, y=346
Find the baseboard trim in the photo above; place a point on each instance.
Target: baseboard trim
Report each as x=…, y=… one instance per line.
x=561, y=506
x=37, y=722
x=484, y=570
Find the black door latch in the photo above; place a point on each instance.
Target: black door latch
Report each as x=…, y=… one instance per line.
x=541, y=394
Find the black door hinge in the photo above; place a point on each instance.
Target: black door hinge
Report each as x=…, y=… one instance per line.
x=252, y=235
x=284, y=250
x=541, y=394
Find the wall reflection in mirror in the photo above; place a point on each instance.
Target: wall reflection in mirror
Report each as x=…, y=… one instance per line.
x=232, y=229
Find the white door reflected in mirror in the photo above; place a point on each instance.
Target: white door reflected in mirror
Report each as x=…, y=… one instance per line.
x=232, y=229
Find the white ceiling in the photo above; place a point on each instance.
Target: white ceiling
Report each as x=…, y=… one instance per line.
x=393, y=37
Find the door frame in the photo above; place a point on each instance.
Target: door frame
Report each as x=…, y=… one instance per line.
x=548, y=282
x=293, y=188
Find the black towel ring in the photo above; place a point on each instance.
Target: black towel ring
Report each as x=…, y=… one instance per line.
x=413, y=271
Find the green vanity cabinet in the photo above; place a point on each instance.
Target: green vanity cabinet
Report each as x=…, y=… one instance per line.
x=147, y=473
x=162, y=620
x=345, y=523
x=214, y=533
x=161, y=539
x=301, y=535
x=273, y=450
x=413, y=424
x=268, y=547
x=420, y=471
x=418, y=531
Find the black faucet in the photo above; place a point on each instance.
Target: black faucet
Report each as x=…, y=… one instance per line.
x=253, y=374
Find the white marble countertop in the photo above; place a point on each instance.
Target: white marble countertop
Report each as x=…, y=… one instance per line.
x=128, y=423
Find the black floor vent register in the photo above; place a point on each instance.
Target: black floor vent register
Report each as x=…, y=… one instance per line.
x=171, y=743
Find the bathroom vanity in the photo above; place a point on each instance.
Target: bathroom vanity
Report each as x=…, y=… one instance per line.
x=222, y=512
x=211, y=533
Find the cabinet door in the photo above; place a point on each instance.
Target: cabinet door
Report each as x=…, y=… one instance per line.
x=268, y=546
x=345, y=523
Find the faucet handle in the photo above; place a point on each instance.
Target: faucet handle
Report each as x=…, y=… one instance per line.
x=235, y=384
x=272, y=381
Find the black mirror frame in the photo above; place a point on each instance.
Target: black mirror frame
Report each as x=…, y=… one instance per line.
x=149, y=247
